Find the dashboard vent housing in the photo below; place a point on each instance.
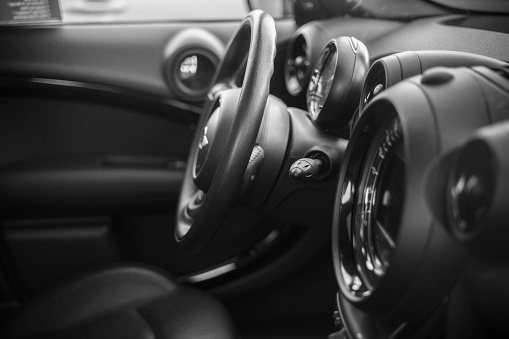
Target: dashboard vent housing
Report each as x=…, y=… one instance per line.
x=298, y=66
x=190, y=73
x=191, y=58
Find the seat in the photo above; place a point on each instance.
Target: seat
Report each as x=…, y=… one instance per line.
x=122, y=302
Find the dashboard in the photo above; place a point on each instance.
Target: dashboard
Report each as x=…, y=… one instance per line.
x=419, y=177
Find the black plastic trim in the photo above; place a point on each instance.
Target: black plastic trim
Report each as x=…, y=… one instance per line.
x=78, y=90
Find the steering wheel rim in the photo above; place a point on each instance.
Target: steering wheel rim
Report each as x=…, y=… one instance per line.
x=252, y=45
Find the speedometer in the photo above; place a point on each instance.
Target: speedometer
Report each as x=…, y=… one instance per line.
x=336, y=82
x=379, y=201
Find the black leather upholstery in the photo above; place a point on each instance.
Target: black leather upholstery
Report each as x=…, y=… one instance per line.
x=122, y=302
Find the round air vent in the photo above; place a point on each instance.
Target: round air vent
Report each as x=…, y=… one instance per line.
x=190, y=72
x=190, y=61
x=298, y=66
x=303, y=52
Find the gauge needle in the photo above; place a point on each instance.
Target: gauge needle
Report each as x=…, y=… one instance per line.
x=386, y=235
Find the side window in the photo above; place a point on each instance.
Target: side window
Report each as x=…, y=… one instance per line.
x=137, y=11
x=87, y=11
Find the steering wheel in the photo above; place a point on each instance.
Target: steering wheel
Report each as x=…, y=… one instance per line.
x=226, y=133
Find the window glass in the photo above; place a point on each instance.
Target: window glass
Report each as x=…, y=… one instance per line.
x=90, y=11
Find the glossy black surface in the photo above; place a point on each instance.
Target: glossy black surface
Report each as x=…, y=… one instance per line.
x=322, y=79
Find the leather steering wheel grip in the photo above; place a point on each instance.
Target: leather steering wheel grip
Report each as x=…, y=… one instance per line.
x=252, y=48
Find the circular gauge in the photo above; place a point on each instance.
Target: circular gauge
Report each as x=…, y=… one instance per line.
x=322, y=78
x=376, y=82
x=336, y=82
x=373, y=195
x=391, y=69
x=378, y=203
x=388, y=246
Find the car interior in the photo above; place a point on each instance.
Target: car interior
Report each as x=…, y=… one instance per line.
x=305, y=169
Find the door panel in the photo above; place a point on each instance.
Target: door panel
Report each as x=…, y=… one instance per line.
x=44, y=251
x=34, y=127
x=123, y=56
x=74, y=160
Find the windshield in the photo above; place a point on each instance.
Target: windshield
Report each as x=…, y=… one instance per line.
x=497, y=6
